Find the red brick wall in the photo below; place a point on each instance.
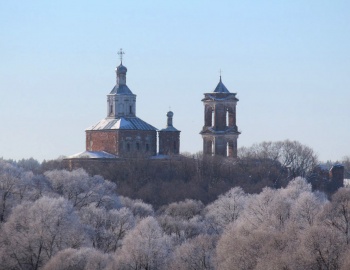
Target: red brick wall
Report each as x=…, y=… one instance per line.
x=169, y=142
x=141, y=142
x=102, y=141
x=128, y=143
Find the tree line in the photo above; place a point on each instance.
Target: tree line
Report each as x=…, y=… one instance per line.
x=60, y=219
x=204, y=178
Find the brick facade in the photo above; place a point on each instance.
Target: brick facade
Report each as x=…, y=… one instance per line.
x=102, y=141
x=169, y=142
x=122, y=143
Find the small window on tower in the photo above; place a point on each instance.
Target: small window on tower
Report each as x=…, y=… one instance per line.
x=138, y=146
x=227, y=118
x=174, y=146
x=111, y=109
x=147, y=147
x=128, y=147
x=212, y=118
x=130, y=109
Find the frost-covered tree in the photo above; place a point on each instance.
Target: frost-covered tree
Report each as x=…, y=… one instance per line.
x=106, y=228
x=95, y=220
x=272, y=209
x=81, y=189
x=16, y=185
x=182, y=220
x=29, y=164
x=79, y=259
x=336, y=213
x=195, y=254
x=121, y=221
x=279, y=249
x=295, y=188
x=144, y=247
x=40, y=187
x=258, y=209
x=239, y=249
x=9, y=182
x=137, y=207
x=186, y=209
x=36, y=231
x=322, y=248
x=306, y=209
x=225, y=209
x=181, y=229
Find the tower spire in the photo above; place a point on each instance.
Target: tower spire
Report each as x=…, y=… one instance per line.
x=121, y=70
x=120, y=53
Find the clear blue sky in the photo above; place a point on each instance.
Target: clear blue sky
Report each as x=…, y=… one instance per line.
x=288, y=61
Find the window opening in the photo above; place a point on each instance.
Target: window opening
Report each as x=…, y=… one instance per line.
x=227, y=118
x=227, y=149
x=212, y=118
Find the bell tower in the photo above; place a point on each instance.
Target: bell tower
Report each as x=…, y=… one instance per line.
x=220, y=132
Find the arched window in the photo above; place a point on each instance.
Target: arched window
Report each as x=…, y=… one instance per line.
x=212, y=118
x=227, y=117
x=128, y=147
x=138, y=146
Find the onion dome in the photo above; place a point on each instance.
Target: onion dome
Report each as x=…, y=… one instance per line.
x=121, y=69
x=170, y=114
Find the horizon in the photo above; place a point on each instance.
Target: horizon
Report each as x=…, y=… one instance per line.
x=287, y=62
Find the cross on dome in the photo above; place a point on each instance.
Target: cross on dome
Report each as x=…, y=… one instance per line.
x=120, y=53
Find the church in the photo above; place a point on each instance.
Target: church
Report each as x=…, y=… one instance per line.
x=121, y=134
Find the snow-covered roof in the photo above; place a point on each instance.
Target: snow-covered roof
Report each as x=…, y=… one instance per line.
x=121, y=89
x=323, y=167
x=169, y=128
x=337, y=165
x=93, y=154
x=122, y=123
x=163, y=157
